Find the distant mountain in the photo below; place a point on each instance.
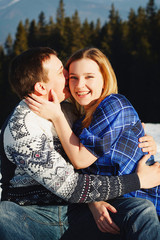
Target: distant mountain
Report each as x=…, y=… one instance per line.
x=12, y=11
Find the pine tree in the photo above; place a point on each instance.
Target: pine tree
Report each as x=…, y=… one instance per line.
x=58, y=34
x=143, y=43
x=86, y=33
x=51, y=22
x=67, y=39
x=156, y=36
x=60, y=17
x=1, y=65
x=9, y=45
x=43, y=30
x=33, y=34
x=95, y=33
x=111, y=36
x=41, y=20
x=151, y=9
x=132, y=33
x=76, y=32
x=26, y=25
x=20, y=43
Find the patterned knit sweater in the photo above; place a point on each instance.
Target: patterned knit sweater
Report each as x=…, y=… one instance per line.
x=35, y=169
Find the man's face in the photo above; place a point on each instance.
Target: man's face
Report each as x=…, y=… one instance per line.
x=57, y=78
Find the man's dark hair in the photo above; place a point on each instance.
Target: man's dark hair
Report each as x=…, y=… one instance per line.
x=27, y=68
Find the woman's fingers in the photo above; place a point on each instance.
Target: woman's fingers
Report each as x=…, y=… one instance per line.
x=35, y=98
x=147, y=144
x=54, y=96
x=32, y=106
x=104, y=226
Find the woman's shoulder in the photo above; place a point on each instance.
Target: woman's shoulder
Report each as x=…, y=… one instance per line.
x=115, y=100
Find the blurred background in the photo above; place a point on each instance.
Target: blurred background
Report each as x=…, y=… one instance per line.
x=127, y=31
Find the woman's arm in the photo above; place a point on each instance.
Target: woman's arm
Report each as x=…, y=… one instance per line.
x=79, y=156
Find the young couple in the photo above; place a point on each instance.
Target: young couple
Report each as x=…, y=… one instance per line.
x=36, y=174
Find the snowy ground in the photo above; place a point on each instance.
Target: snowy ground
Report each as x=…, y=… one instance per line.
x=153, y=130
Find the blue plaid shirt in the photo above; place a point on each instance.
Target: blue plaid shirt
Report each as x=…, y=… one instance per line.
x=113, y=138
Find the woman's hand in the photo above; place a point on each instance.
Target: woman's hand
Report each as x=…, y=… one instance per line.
x=102, y=217
x=147, y=144
x=149, y=176
x=50, y=110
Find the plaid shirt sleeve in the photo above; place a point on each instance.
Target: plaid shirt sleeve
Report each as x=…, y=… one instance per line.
x=112, y=118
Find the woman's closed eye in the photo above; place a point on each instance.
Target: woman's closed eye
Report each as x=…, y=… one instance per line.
x=89, y=76
x=73, y=77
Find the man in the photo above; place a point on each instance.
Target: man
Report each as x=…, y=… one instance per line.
x=39, y=183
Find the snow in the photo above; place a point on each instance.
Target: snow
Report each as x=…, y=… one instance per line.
x=152, y=129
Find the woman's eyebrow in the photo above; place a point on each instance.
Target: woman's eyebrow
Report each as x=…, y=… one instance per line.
x=72, y=74
x=90, y=73
x=83, y=74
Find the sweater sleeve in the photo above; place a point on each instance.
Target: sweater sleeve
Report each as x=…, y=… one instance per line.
x=37, y=154
x=92, y=188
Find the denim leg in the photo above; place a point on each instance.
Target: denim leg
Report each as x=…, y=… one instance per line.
x=137, y=219
x=32, y=222
x=49, y=222
x=12, y=223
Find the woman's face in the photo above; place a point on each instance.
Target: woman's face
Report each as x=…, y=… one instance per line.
x=85, y=81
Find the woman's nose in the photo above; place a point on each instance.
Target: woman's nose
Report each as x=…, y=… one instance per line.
x=80, y=83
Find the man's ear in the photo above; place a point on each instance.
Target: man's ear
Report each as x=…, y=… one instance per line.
x=40, y=88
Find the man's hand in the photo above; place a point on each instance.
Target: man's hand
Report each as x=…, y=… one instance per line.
x=149, y=176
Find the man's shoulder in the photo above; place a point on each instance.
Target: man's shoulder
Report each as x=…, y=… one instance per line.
x=21, y=116
x=23, y=113
x=24, y=123
x=20, y=110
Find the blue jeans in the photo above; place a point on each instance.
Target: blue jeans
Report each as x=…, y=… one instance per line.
x=136, y=217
